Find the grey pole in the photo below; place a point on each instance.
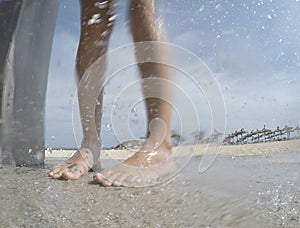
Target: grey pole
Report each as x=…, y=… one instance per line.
x=29, y=27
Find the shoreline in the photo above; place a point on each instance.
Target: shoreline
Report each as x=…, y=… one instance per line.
x=278, y=147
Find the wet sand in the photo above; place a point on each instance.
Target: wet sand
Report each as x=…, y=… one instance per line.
x=237, y=191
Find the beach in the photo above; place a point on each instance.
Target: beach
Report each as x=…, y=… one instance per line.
x=255, y=185
x=278, y=147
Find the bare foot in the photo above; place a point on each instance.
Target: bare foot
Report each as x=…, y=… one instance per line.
x=77, y=166
x=142, y=169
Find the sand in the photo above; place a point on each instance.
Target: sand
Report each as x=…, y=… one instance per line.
x=240, y=191
x=280, y=147
x=253, y=185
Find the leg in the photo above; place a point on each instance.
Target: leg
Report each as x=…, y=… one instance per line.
x=153, y=161
x=96, y=28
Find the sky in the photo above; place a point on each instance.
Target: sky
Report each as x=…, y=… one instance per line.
x=252, y=49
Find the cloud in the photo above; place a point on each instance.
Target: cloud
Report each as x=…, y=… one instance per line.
x=253, y=50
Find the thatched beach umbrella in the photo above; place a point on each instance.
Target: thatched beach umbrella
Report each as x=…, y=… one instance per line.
x=234, y=135
x=264, y=131
x=249, y=135
x=229, y=139
x=288, y=131
x=269, y=135
x=297, y=129
x=239, y=135
x=277, y=133
x=256, y=136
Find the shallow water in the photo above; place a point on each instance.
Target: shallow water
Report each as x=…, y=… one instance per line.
x=234, y=192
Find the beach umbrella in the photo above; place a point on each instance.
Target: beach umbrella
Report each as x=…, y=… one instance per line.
x=257, y=133
x=277, y=133
x=288, y=130
x=264, y=131
x=228, y=138
x=240, y=133
x=280, y=133
x=235, y=134
x=297, y=129
x=269, y=135
x=249, y=135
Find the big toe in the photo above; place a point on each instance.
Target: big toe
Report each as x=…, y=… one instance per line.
x=119, y=180
x=57, y=172
x=101, y=179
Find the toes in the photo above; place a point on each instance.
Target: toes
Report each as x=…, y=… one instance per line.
x=119, y=181
x=113, y=179
x=55, y=169
x=99, y=178
x=75, y=167
x=73, y=172
x=57, y=173
x=103, y=179
x=68, y=175
x=106, y=183
x=129, y=181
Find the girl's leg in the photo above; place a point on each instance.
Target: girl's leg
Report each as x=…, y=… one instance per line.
x=144, y=28
x=96, y=28
x=153, y=161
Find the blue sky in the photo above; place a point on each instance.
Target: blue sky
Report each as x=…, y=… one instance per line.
x=252, y=48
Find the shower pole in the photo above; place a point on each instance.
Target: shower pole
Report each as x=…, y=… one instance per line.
x=26, y=35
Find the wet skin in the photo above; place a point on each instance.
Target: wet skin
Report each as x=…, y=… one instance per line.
x=152, y=162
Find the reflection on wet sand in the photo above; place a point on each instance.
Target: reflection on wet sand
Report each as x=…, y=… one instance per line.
x=241, y=191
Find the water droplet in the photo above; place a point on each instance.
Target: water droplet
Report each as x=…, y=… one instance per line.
x=218, y=6
x=97, y=101
x=101, y=5
x=95, y=19
x=49, y=150
x=105, y=33
x=108, y=126
x=113, y=17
